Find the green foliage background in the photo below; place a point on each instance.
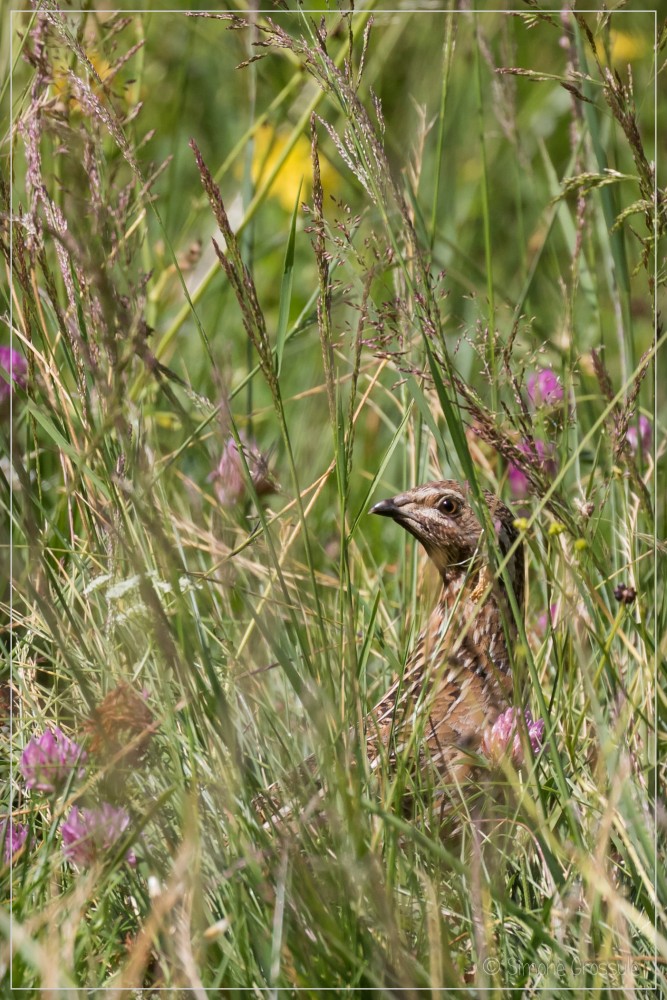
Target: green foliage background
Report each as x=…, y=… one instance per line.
x=522, y=223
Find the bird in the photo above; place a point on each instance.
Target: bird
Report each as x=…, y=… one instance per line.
x=458, y=678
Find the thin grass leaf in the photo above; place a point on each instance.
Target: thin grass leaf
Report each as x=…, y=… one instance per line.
x=286, y=286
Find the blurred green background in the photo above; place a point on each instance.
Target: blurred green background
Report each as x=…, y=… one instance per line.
x=114, y=459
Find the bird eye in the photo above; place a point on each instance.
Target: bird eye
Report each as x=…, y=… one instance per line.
x=449, y=506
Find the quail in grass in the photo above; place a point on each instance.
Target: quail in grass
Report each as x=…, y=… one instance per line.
x=458, y=678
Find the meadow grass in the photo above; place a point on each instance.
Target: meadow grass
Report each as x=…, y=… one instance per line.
x=253, y=296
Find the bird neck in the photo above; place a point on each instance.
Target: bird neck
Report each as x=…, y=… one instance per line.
x=478, y=613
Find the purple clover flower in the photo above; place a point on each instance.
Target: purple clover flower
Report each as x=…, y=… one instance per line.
x=543, y=621
x=640, y=442
x=14, y=836
x=227, y=477
x=546, y=461
x=16, y=369
x=544, y=388
x=503, y=737
x=48, y=761
x=89, y=834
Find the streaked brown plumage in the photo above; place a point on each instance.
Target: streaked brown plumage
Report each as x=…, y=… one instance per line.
x=458, y=677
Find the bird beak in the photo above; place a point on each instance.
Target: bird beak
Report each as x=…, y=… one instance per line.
x=388, y=508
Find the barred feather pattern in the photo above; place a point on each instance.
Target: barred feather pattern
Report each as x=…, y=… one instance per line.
x=458, y=678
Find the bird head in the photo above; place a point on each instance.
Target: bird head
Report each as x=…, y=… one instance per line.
x=441, y=517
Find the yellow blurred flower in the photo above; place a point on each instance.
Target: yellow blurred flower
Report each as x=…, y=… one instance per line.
x=471, y=169
x=624, y=47
x=269, y=148
x=627, y=46
x=61, y=84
